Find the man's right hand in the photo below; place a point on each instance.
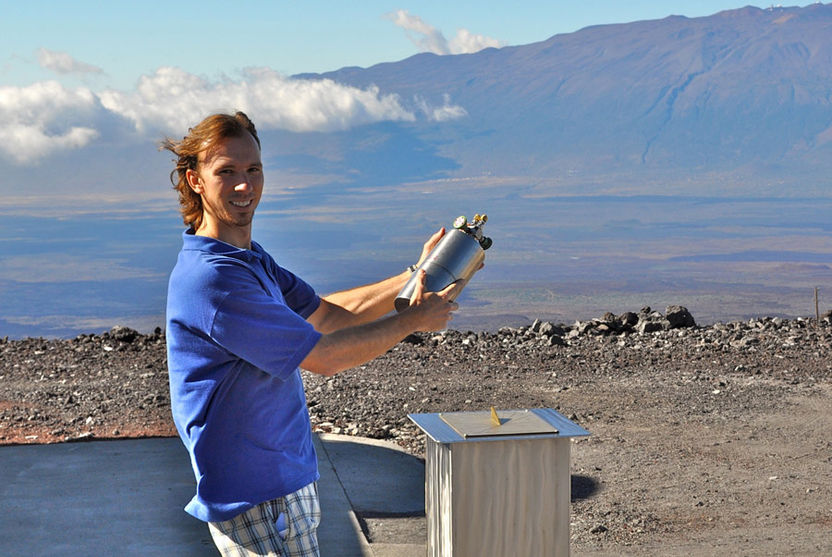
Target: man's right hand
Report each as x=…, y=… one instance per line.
x=435, y=309
x=351, y=346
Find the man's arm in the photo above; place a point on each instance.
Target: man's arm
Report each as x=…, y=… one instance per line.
x=348, y=347
x=365, y=303
x=358, y=305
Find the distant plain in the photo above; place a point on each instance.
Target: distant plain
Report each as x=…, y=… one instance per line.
x=70, y=269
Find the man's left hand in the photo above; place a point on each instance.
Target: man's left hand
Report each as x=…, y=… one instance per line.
x=430, y=244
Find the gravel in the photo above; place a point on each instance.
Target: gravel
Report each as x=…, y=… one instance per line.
x=705, y=440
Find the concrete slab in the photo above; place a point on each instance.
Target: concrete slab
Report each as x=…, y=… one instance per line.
x=386, y=490
x=378, y=476
x=126, y=497
x=398, y=550
x=99, y=498
x=339, y=534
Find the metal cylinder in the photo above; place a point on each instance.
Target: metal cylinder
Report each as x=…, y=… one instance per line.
x=457, y=256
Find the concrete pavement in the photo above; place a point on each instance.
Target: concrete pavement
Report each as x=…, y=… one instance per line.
x=126, y=497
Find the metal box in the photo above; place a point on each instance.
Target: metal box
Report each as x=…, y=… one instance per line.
x=497, y=490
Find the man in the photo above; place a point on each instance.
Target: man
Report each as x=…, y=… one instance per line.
x=238, y=328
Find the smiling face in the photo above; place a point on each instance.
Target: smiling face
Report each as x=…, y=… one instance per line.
x=229, y=178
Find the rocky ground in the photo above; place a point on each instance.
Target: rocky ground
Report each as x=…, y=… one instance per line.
x=705, y=440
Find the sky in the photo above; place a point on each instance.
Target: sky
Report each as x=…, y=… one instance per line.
x=76, y=73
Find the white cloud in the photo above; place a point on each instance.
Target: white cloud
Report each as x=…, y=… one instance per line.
x=429, y=39
x=442, y=113
x=172, y=99
x=46, y=118
x=63, y=63
x=42, y=118
x=467, y=42
x=426, y=37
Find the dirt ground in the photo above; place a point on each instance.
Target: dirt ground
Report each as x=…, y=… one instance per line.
x=704, y=440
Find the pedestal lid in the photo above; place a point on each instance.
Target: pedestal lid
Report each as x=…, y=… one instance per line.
x=459, y=427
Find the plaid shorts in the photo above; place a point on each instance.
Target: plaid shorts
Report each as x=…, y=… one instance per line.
x=283, y=527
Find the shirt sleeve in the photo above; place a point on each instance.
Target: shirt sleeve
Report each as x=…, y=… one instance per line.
x=262, y=330
x=299, y=295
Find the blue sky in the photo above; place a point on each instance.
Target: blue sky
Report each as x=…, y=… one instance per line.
x=68, y=70
x=127, y=39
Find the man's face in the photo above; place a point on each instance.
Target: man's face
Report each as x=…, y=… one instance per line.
x=229, y=177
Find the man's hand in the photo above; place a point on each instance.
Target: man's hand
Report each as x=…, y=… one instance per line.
x=435, y=309
x=351, y=346
x=430, y=244
x=353, y=335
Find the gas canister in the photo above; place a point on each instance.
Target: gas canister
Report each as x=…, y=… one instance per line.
x=457, y=256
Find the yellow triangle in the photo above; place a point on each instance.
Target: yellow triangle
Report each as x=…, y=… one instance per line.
x=495, y=419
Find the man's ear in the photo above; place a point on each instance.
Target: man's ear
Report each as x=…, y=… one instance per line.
x=194, y=181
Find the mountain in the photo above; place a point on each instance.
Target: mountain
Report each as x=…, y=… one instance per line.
x=740, y=100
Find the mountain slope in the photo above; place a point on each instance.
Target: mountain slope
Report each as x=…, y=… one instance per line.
x=740, y=93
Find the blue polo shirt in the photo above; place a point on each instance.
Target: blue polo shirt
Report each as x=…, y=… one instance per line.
x=236, y=333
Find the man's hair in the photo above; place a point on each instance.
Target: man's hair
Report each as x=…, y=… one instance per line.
x=202, y=137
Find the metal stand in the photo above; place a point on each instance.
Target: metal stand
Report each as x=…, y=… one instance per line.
x=496, y=490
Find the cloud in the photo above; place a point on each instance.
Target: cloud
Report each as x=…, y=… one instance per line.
x=441, y=113
x=43, y=118
x=426, y=37
x=172, y=99
x=429, y=39
x=466, y=42
x=63, y=63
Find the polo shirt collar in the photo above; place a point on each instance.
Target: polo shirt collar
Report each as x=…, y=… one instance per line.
x=217, y=247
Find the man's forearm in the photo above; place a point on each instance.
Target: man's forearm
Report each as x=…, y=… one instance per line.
x=348, y=347
x=365, y=303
